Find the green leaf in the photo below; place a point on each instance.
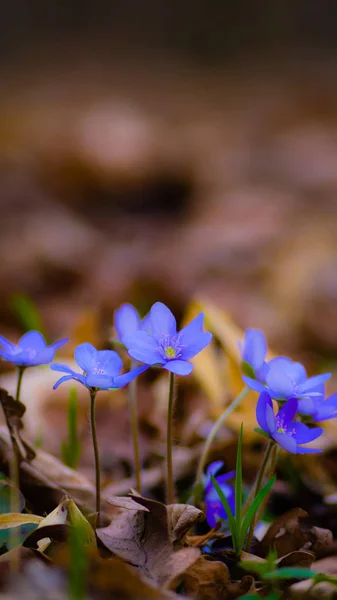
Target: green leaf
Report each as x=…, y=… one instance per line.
x=238, y=482
x=262, y=432
x=254, y=506
x=9, y=497
x=231, y=520
x=291, y=573
x=71, y=449
x=27, y=312
x=248, y=370
x=254, y=567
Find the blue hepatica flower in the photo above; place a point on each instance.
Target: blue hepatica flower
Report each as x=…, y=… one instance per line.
x=254, y=351
x=162, y=345
x=318, y=408
x=128, y=321
x=287, y=433
x=284, y=379
x=213, y=504
x=30, y=351
x=100, y=369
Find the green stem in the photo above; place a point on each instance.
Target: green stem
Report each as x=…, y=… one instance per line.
x=215, y=430
x=21, y=371
x=95, y=445
x=134, y=430
x=170, y=483
x=257, y=487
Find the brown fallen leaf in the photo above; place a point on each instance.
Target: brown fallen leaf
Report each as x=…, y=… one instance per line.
x=142, y=539
x=210, y=580
x=298, y=558
x=181, y=517
x=290, y=532
x=14, y=411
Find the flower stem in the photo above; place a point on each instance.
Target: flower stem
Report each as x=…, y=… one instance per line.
x=95, y=445
x=21, y=371
x=170, y=483
x=215, y=430
x=257, y=487
x=134, y=430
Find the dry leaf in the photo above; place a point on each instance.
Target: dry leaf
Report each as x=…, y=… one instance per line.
x=181, y=517
x=210, y=580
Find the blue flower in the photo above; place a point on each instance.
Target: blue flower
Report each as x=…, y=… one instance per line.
x=128, y=321
x=318, y=408
x=100, y=369
x=30, y=351
x=254, y=351
x=213, y=504
x=161, y=344
x=284, y=379
x=287, y=433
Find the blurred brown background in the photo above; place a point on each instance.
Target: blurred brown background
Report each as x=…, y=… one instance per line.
x=165, y=150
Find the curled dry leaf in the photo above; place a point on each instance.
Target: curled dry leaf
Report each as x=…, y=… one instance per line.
x=142, y=539
x=210, y=580
x=298, y=558
x=14, y=411
x=181, y=517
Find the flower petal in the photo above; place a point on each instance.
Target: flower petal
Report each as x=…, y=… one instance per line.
x=301, y=450
x=294, y=370
x=306, y=406
x=146, y=355
x=62, y=380
x=7, y=345
x=122, y=380
x=32, y=339
x=162, y=321
x=286, y=441
x=313, y=382
x=288, y=411
x=214, y=507
x=261, y=407
x=141, y=340
x=43, y=357
x=85, y=355
x=57, y=345
x=146, y=325
x=253, y=384
x=204, y=339
x=254, y=348
x=127, y=320
x=102, y=382
x=179, y=367
x=109, y=361
x=62, y=368
x=279, y=384
x=304, y=434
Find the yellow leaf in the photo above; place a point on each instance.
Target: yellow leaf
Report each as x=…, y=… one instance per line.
x=9, y=520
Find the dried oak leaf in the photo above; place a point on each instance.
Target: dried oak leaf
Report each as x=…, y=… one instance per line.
x=142, y=539
x=210, y=580
x=298, y=558
x=290, y=532
x=14, y=411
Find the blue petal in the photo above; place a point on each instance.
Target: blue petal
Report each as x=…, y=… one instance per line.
x=179, y=367
x=102, y=382
x=286, y=441
x=313, y=382
x=279, y=384
x=85, y=355
x=122, y=380
x=43, y=357
x=127, y=320
x=75, y=376
x=142, y=340
x=294, y=370
x=306, y=406
x=7, y=345
x=162, y=321
x=331, y=401
x=304, y=434
x=261, y=407
x=301, y=450
x=191, y=332
x=146, y=325
x=57, y=345
x=204, y=339
x=270, y=418
x=254, y=348
x=253, y=384
x=213, y=468
x=109, y=361
x=214, y=507
x=32, y=339
x=288, y=411
x=62, y=368
x=146, y=356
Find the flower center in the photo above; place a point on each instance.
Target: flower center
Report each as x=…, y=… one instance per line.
x=170, y=352
x=170, y=347
x=97, y=369
x=281, y=430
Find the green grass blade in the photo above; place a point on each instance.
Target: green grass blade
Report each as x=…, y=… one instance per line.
x=290, y=573
x=231, y=520
x=253, y=508
x=238, y=482
x=71, y=449
x=27, y=312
